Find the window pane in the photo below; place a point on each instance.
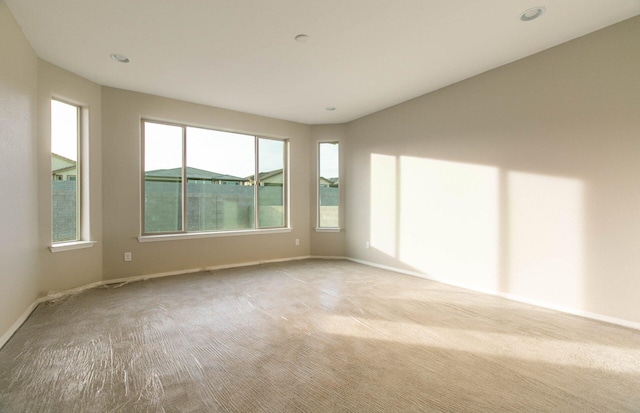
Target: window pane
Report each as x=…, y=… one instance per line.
x=162, y=178
x=329, y=192
x=65, y=198
x=271, y=178
x=220, y=167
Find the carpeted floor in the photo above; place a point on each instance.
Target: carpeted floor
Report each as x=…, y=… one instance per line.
x=312, y=336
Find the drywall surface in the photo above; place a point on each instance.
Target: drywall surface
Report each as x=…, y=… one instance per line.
x=70, y=269
x=121, y=155
x=523, y=180
x=327, y=244
x=18, y=154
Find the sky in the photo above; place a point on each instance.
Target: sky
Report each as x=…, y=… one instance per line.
x=329, y=159
x=222, y=152
x=64, y=130
x=215, y=151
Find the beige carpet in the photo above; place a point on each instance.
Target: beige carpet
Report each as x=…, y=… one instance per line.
x=312, y=336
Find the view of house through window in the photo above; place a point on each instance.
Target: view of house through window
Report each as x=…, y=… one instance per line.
x=270, y=189
x=163, y=177
x=204, y=180
x=65, y=177
x=328, y=185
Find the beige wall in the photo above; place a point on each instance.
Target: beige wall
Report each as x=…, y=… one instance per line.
x=122, y=111
x=69, y=269
x=327, y=244
x=19, y=245
x=523, y=180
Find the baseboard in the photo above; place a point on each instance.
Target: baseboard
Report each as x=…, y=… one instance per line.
x=61, y=294
x=11, y=331
x=194, y=270
x=513, y=297
x=328, y=257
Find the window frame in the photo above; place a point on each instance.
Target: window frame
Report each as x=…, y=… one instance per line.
x=185, y=233
x=318, y=227
x=83, y=233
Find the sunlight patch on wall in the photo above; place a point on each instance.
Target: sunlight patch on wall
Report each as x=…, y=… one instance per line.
x=546, y=237
x=383, y=204
x=449, y=220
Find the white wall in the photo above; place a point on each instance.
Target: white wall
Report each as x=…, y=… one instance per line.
x=524, y=180
x=19, y=246
x=122, y=111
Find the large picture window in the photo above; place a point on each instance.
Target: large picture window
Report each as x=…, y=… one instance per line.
x=204, y=180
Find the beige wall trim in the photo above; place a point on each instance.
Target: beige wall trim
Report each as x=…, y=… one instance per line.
x=513, y=297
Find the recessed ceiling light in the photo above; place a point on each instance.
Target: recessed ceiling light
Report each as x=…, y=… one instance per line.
x=330, y=108
x=302, y=38
x=532, y=14
x=119, y=58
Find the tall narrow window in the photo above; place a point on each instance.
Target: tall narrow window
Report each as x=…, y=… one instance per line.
x=203, y=180
x=65, y=172
x=328, y=185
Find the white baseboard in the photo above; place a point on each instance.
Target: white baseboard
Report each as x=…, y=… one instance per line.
x=57, y=295
x=513, y=297
x=328, y=257
x=7, y=335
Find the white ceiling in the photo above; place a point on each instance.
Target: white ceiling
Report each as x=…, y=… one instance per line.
x=362, y=56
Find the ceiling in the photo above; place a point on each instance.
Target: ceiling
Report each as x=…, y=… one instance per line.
x=362, y=55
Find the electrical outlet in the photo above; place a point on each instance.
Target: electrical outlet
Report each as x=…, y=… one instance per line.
x=367, y=245
x=297, y=241
x=127, y=256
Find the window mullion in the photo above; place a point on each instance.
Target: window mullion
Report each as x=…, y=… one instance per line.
x=184, y=179
x=285, y=185
x=78, y=176
x=256, y=206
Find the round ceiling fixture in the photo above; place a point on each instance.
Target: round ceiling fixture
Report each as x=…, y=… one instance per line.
x=330, y=108
x=532, y=14
x=302, y=38
x=119, y=58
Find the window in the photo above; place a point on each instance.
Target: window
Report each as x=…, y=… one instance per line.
x=234, y=182
x=328, y=185
x=65, y=179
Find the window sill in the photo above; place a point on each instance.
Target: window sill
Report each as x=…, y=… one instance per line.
x=328, y=229
x=68, y=246
x=197, y=235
